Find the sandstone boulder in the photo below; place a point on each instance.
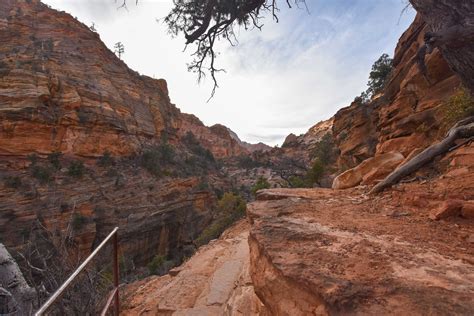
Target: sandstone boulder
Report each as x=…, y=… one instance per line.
x=447, y=209
x=368, y=171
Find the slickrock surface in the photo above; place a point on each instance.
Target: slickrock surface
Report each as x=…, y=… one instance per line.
x=320, y=251
x=215, y=281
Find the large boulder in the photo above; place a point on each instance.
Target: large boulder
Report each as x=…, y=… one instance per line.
x=369, y=170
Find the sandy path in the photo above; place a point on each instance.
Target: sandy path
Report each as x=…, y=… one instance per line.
x=215, y=281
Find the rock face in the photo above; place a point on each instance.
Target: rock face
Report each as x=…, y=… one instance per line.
x=319, y=252
x=217, y=138
x=407, y=118
x=215, y=281
x=62, y=90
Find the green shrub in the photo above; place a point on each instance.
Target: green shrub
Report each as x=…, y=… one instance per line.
x=378, y=78
x=156, y=157
x=316, y=172
x=54, y=159
x=247, y=162
x=78, y=221
x=459, y=106
x=76, y=169
x=324, y=150
x=261, y=183
x=41, y=173
x=12, y=182
x=230, y=208
x=159, y=265
x=298, y=182
x=106, y=160
x=33, y=158
x=312, y=176
x=196, y=148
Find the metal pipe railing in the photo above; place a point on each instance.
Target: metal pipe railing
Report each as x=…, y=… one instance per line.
x=115, y=292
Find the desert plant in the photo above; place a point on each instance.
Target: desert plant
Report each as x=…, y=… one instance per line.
x=230, y=208
x=78, y=221
x=54, y=159
x=106, y=160
x=459, y=106
x=41, y=173
x=261, y=184
x=76, y=169
x=378, y=78
x=154, y=158
x=12, y=182
x=324, y=150
x=159, y=265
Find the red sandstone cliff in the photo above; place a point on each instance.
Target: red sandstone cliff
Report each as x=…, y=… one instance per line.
x=62, y=90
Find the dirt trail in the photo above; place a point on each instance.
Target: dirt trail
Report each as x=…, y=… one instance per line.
x=215, y=281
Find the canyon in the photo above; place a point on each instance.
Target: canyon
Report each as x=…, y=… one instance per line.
x=81, y=136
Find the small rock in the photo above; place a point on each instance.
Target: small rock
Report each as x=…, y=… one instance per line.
x=175, y=271
x=447, y=209
x=467, y=210
x=470, y=239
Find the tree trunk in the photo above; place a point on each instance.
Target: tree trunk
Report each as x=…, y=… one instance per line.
x=451, y=25
x=463, y=129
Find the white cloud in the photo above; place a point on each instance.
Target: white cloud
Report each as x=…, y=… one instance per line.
x=279, y=81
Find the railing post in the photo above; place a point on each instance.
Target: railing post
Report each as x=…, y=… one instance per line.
x=116, y=275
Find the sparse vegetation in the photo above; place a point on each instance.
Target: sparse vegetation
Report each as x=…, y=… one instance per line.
x=247, y=162
x=76, y=169
x=230, y=208
x=459, y=106
x=12, y=182
x=41, y=173
x=154, y=158
x=195, y=146
x=378, y=78
x=78, y=221
x=323, y=156
x=106, y=160
x=54, y=159
x=261, y=184
x=159, y=265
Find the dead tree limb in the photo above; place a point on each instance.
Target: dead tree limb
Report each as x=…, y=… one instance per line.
x=462, y=129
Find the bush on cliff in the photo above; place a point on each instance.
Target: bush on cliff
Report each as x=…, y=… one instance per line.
x=230, y=208
x=154, y=158
x=41, y=173
x=76, y=169
x=261, y=184
x=106, y=160
x=54, y=159
x=12, y=182
x=159, y=265
x=378, y=78
x=459, y=106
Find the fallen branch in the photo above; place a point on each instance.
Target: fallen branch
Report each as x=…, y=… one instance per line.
x=462, y=129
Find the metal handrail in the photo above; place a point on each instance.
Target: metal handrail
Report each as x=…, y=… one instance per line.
x=115, y=292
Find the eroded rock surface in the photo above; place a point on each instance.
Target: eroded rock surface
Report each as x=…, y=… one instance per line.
x=215, y=281
x=320, y=251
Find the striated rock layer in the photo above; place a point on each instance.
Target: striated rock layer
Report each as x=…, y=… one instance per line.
x=62, y=90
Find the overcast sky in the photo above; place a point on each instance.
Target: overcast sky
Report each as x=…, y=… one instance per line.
x=280, y=80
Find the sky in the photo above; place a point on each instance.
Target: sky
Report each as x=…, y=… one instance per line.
x=278, y=81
